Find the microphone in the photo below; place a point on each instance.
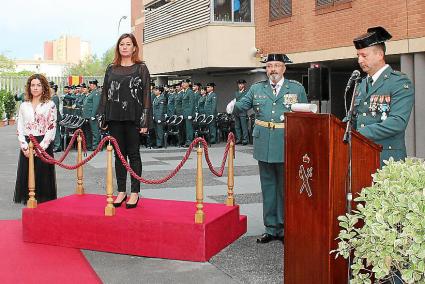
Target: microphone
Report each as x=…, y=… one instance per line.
x=354, y=76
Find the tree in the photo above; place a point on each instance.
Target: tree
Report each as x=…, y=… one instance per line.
x=6, y=64
x=92, y=66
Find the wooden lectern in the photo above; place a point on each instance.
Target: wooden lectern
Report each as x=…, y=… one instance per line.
x=316, y=167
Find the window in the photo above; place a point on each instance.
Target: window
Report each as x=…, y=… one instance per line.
x=232, y=11
x=280, y=9
x=327, y=3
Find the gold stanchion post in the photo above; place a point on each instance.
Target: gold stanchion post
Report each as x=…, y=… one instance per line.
x=199, y=215
x=32, y=202
x=80, y=187
x=230, y=200
x=109, y=209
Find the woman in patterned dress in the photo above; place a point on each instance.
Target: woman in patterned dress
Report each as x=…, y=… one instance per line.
x=37, y=116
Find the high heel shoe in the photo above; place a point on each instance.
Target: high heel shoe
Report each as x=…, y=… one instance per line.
x=118, y=204
x=129, y=206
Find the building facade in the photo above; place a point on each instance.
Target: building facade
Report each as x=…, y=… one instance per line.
x=67, y=49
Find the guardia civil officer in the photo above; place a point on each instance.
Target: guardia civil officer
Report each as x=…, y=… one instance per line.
x=241, y=126
x=90, y=106
x=210, y=108
x=171, y=108
x=270, y=100
x=55, y=98
x=188, y=106
x=385, y=96
x=159, y=111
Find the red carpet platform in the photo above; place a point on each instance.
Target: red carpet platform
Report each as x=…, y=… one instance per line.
x=156, y=228
x=22, y=262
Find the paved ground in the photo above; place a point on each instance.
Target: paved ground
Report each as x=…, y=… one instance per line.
x=242, y=262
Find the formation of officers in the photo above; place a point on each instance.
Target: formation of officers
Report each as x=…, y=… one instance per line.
x=79, y=101
x=190, y=102
x=181, y=99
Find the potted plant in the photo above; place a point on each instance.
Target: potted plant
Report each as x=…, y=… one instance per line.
x=385, y=236
x=2, y=96
x=10, y=107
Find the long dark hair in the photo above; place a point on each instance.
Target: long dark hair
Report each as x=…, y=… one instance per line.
x=46, y=94
x=134, y=58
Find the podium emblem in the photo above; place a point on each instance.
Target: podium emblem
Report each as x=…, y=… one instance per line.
x=306, y=173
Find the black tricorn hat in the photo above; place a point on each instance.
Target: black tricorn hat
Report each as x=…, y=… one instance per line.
x=374, y=36
x=241, y=81
x=66, y=87
x=211, y=85
x=94, y=82
x=83, y=85
x=276, y=57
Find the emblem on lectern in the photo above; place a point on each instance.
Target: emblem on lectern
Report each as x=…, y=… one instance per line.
x=306, y=173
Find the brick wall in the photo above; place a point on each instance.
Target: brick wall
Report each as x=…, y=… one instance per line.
x=311, y=29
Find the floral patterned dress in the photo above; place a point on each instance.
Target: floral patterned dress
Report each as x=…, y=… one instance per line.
x=41, y=123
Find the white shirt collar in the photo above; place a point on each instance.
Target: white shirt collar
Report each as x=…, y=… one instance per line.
x=279, y=84
x=378, y=73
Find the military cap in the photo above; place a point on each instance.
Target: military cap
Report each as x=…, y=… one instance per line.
x=187, y=81
x=161, y=89
x=241, y=81
x=211, y=85
x=51, y=84
x=83, y=85
x=374, y=36
x=66, y=87
x=198, y=84
x=95, y=82
x=78, y=86
x=277, y=57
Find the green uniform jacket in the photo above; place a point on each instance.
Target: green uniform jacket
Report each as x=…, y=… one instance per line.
x=188, y=103
x=171, y=107
x=196, y=97
x=90, y=104
x=159, y=108
x=238, y=97
x=178, y=101
x=383, y=112
x=201, y=104
x=268, y=142
x=55, y=99
x=210, y=106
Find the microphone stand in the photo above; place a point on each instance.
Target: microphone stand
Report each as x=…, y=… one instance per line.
x=347, y=139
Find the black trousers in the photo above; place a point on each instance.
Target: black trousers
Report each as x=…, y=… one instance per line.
x=127, y=135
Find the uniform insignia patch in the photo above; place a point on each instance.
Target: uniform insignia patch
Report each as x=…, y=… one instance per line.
x=406, y=86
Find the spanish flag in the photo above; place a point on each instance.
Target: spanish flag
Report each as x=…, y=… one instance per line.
x=75, y=80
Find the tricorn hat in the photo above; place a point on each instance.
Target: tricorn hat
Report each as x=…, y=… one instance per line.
x=276, y=57
x=374, y=36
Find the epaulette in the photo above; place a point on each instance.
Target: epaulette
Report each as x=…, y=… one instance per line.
x=296, y=82
x=398, y=73
x=262, y=81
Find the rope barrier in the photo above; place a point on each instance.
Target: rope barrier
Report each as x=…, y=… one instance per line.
x=45, y=157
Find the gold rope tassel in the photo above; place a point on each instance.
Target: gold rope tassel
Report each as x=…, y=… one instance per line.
x=109, y=209
x=199, y=215
x=80, y=187
x=32, y=202
x=230, y=200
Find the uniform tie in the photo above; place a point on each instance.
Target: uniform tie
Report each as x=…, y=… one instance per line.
x=369, y=84
x=274, y=88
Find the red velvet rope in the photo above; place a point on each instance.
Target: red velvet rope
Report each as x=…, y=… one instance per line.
x=45, y=157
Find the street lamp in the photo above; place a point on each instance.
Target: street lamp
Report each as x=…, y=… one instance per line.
x=119, y=23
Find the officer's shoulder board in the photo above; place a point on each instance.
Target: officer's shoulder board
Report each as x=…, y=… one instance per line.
x=398, y=73
x=295, y=82
x=260, y=82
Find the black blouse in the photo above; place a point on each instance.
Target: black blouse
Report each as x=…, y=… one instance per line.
x=125, y=94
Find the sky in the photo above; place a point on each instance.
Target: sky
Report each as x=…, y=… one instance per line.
x=26, y=24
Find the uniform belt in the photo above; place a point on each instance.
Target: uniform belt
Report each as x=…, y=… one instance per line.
x=269, y=124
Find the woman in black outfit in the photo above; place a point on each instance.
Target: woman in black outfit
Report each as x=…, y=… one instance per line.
x=125, y=105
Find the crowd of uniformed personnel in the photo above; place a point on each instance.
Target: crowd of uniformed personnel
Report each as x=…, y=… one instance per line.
x=182, y=99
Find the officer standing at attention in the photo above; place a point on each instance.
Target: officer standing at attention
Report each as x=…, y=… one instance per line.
x=201, y=101
x=90, y=105
x=385, y=97
x=159, y=111
x=241, y=126
x=55, y=98
x=270, y=99
x=197, y=94
x=188, y=105
x=210, y=108
x=171, y=109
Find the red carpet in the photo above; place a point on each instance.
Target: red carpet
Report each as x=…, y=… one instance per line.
x=22, y=262
x=156, y=228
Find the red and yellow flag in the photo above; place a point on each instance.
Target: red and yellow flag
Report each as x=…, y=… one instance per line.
x=75, y=80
